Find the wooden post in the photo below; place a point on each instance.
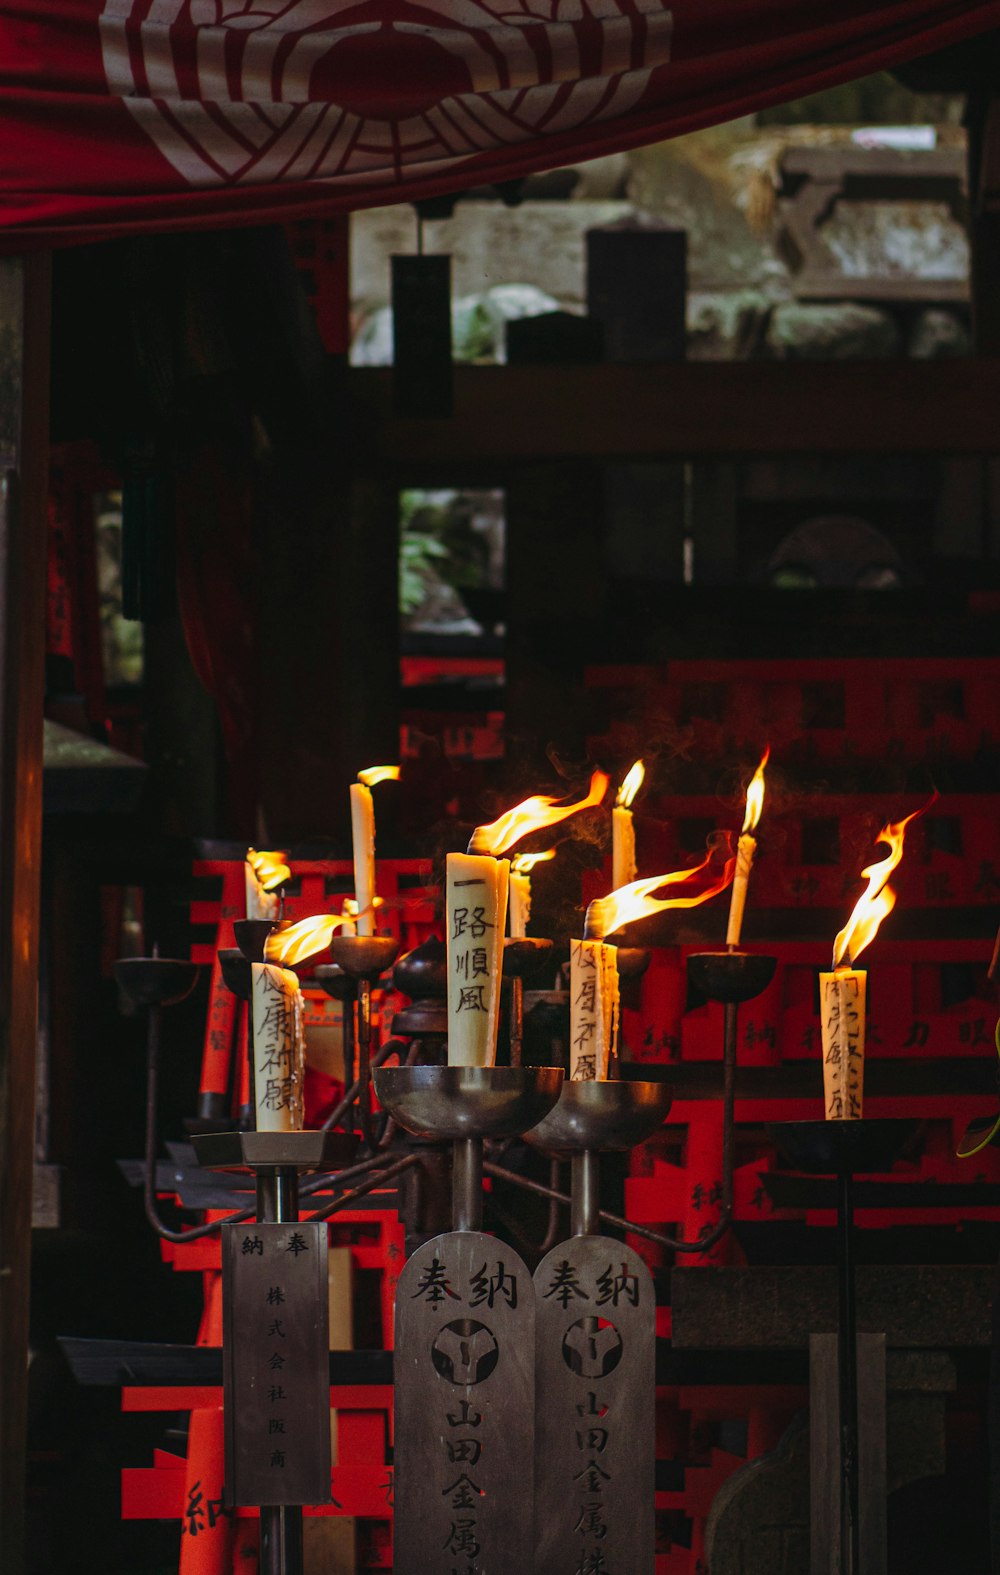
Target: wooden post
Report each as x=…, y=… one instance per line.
x=22, y=674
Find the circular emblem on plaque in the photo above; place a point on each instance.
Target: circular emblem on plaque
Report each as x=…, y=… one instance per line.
x=465, y=1352
x=592, y=1347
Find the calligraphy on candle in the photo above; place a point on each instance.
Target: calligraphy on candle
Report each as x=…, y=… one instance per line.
x=279, y=1048
x=276, y=1363
x=476, y=915
x=842, y=1025
x=593, y=1003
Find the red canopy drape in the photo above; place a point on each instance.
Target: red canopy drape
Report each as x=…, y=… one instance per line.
x=124, y=115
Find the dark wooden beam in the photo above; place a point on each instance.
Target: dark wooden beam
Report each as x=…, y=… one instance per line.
x=507, y=414
x=22, y=672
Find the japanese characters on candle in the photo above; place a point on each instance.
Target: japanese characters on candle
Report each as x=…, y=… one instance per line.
x=623, y=867
x=263, y=874
x=476, y=912
x=593, y=1008
x=278, y=1048
x=746, y=848
x=363, y=839
x=843, y=991
x=520, y=889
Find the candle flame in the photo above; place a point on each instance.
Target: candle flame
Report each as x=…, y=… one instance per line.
x=302, y=940
x=524, y=863
x=269, y=869
x=878, y=898
x=605, y=915
x=631, y=784
x=372, y=774
x=755, y=794
x=533, y=815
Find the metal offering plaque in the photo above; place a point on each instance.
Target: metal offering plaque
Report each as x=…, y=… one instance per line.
x=595, y=1395
x=276, y=1363
x=465, y=1380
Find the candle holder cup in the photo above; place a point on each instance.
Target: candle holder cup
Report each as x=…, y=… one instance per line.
x=251, y=936
x=464, y=1105
x=523, y=955
x=155, y=981
x=632, y=961
x=595, y=1117
x=236, y=972
x=422, y=974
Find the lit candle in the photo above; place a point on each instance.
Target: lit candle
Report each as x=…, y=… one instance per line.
x=593, y=1008
x=278, y=1048
x=842, y=1025
x=623, y=866
x=303, y=940
x=534, y=814
x=263, y=874
x=605, y=915
x=520, y=890
x=363, y=840
x=593, y=985
x=745, y=850
x=476, y=915
x=843, y=991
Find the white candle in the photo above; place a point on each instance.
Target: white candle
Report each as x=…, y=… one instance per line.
x=363, y=837
x=476, y=915
x=593, y=1006
x=278, y=1048
x=260, y=903
x=842, y=1024
x=745, y=850
x=623, y=866
x=520, y=904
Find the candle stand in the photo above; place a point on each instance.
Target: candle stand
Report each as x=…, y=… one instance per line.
x=595, y=1345
x=364, y=958
x=848, y=1526
x=522, y=957
x=730, y=978
x=465, y=1321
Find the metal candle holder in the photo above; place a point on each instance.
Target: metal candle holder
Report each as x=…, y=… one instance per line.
x=365, y=958
x=845, y=1149
x=464, y=1105
x=592, y=1118
x=523, y=955
x=731, y=978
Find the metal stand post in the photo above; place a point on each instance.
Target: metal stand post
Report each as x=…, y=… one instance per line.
x=467, y=1184
x=586, y=1193
x=847, y=1370
x=280, y=1524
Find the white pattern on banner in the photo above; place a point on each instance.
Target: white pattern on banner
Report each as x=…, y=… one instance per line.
x=269, y=76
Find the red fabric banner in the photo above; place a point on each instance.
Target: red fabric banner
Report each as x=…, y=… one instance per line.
x=126, y=115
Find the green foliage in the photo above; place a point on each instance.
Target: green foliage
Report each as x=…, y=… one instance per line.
x=877, y=100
